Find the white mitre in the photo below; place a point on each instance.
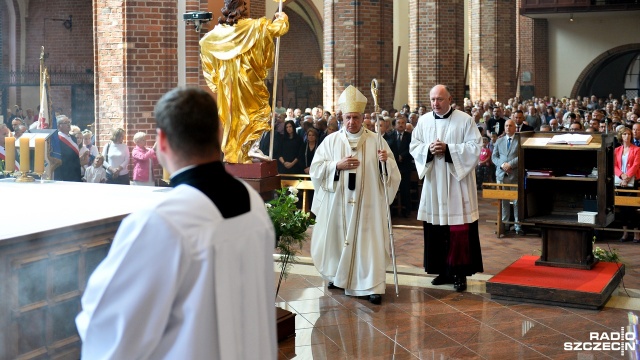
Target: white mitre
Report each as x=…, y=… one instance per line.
x=352, y=101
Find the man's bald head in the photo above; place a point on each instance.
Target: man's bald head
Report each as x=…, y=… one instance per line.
x=440, y=99
x=510, y=127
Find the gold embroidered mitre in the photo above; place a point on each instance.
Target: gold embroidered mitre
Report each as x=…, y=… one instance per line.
x=352, y=101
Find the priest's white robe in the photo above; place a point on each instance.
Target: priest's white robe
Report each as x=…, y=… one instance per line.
x=449, y=194
x=350, y=241
x=182, y=282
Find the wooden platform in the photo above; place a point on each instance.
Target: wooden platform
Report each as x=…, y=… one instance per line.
x=523, y=281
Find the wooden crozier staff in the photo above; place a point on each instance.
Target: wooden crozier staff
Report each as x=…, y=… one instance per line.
x=383, y=165
x=275, y=88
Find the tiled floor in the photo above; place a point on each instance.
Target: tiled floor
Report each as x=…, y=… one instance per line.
x=427, y=322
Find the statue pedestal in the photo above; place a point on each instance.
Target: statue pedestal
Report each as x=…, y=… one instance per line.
x=262, y=176
x=257, y=170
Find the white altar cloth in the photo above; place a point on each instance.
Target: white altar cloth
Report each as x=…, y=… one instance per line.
x=28, y=208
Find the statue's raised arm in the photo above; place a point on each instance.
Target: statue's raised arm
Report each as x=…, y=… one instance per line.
x=236, y=57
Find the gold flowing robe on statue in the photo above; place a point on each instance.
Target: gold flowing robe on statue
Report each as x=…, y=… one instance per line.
x=235, y=62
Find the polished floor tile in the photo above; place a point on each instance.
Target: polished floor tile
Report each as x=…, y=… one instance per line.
x=437, y=323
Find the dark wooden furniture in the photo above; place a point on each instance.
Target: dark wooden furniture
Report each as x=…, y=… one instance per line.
x=553, y=202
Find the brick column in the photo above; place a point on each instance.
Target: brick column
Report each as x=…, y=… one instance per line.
x=492, y=50
x=135, y=56
x=358, y=41
x=109, y=58
x=533, y=54
x=436, y=48
x=136, y=62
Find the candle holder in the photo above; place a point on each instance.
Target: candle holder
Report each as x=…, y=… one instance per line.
x=6, y=174
x=24, y=177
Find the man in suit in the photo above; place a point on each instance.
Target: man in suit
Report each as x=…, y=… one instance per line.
x=400, y=147
x=635, y=131
x=505, y=157
x=518, y=117
x=306, y=124
x=69, y=170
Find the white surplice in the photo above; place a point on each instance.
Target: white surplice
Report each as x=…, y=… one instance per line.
x=449, y=195
x=350, y=241
x=182, y=282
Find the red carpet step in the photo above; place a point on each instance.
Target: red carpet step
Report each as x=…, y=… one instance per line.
x=523, y=281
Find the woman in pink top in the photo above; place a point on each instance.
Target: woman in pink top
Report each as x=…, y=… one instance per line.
x=143, y=160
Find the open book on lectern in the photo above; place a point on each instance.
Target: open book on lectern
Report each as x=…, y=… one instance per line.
x=571, y=139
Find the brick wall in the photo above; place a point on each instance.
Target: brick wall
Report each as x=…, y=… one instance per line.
x=492, y=49
x=299, y=53
x=533, y=53
x=3, y=24
x=540, y=67
x=151, y=61
x=436, y=48
x=358, y=43
x=192, y=46
x=109, y=59
x=69, y=48
x=257, y=8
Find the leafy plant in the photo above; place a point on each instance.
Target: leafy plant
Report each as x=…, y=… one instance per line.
x=290, y=225
x=606, y=255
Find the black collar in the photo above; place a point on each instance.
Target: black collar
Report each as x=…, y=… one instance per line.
x=228, y=194
x=445, y=116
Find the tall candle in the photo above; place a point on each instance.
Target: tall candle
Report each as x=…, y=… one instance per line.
x=24, y=155
x=10, y=156
x=38, y=164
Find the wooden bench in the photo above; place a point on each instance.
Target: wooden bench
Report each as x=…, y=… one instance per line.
x=623, y=197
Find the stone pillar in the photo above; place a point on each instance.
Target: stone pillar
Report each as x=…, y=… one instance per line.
x=492, y=50
x=533, y=56
x=436, y=48
x=358, y=46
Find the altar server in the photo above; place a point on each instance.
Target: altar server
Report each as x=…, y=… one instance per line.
x=192, y=276
x=350, y=241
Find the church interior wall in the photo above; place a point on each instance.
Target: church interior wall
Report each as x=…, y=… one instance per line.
x=401, y=38
x=573, y=45
x=65, y=49
x=298, y=54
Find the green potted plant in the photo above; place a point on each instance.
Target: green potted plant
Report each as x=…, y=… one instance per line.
x=605, y=255
x=290, y=225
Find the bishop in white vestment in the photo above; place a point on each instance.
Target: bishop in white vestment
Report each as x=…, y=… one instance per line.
x=350, y=241
x=446, y=146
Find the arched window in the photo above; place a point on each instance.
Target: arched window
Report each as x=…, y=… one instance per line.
x=632, y=78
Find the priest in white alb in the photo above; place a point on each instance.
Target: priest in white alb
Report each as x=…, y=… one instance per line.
x=446, y=146
x=350, y=241
x=190, y=277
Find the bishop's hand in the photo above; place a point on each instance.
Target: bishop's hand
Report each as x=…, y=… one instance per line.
x=382, y=155
x=348, y=163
